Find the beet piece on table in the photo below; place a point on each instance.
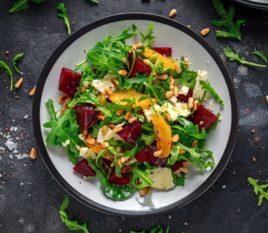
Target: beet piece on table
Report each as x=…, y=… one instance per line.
x=203, y=118
x=84, y=169
x=131, y=132
x=184, y=98
x=124, y=180
x=139, y=67
x=166, y=51
x=69, y=81
x=147, y=155
x=86, y=115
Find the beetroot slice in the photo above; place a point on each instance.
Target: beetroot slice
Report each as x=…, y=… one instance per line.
x=69, y=81
x=139, y=66
x=177, y=166
x=166, y=51
x=203, y=118
x=86, y=115
x=147, y=155
x=84, y=169
x=131, y=132
x=184, y=98
x=124, y=180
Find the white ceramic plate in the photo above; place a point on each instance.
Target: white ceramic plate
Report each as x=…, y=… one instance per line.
x=261, y=4
x=184, y=43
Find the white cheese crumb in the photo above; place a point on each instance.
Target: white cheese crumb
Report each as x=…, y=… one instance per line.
x=109, y=134
x=184, y=90
x=102, y=84
x=86, y=152
x=198, y=91
x=66, y=143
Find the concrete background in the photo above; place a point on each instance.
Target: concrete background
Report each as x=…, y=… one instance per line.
x=29, y=197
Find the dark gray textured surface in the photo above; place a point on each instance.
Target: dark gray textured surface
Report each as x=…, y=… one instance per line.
x=29, y=197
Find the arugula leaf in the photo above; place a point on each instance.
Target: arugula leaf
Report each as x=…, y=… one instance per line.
x=227, y=20
x=63, y=128
x=16, y=59
x=259, y=190
x=207, y=87
x=23, y=5
x=187, y=77
x=261, y=55
x=233, y=56
x=148, y=38
x=200, y=158
x=155, y=229
x=93, y=2
x=140, y=178
x=63, y=14
x=4, y=66
x=179, y=180
x=73, y=225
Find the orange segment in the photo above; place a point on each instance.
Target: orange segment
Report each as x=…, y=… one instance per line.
x=163, y=134
x=117, y=97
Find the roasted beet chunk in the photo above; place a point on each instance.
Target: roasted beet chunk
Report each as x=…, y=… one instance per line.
x=69, y=81
x=131, y=132
x=184, y=98
x=139, y=66
x=203, y=117
x=176, y=166
x=166, y=51
x=124, y=180
x=86, y=115
x=84, y=169
x=147, y=155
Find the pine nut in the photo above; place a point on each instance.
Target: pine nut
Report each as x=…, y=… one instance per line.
x=85, y=132
x=90, y=140
x=178, y=68
x=168, y=118
x=101, y=117
x=33, y=153
x=119, y=112
x=172, y=13
x=162, y=77
x=64, y=108
x=32, y=91
x=158, y=153
x=175, y=138
x=128, y=116
x=266, y=98
x=190, y=102
x=143, y=192
x=146, y=62
x=83, y=89
x=108, y=91
x=171, y=87
x=112, y=126
x=124, y=159
x=122, y=72
x=126, y=169
x=172, y=81
x=138, y=45
x=204, y=31
x=194, y=143
x=104, y=130
x=183, y=169
x=62, y=99
x=196, y=104
x=19, y=83
x=182, y=151
x=132, y=119
x=115, y=82
x=176, y=91
x=109, y=157
x=169, y=94
x=118, y=129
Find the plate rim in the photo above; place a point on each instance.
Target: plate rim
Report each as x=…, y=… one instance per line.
x=39, y=91
x=256, y=5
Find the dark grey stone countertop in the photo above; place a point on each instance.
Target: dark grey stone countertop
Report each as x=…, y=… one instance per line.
x=30, y=197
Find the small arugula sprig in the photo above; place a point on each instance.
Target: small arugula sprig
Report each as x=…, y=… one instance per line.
x=227, y=20
x=261, y=55
x=4, y=66
x=63, y=14
x=156, y=229
x=73, y=225
x=259, y=190
x=21, y=5
x=16, y=59
x=233, y=56
x=207, y=87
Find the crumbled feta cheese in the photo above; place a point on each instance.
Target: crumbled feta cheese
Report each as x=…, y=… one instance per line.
x=162, y=178
x=86, y=152
x=107, y=134
x=81, y=136
x=182, y=109
x=102, y=84
x=198, y=91
x=173, y=99
x=66, y=143
x=184, y=90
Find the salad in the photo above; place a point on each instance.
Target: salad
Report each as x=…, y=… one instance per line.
x=133, y=116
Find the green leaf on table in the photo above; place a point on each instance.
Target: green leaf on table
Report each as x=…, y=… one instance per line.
x=93, y=2
x=227, y=21
x=16, y=60
x=261, y=55
x=4, y=66
x=233, y=56
x=207, y=87
x=73, y=225
x=259, y=190
x=21, y=5
x=155, y=229
x=63, y=14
